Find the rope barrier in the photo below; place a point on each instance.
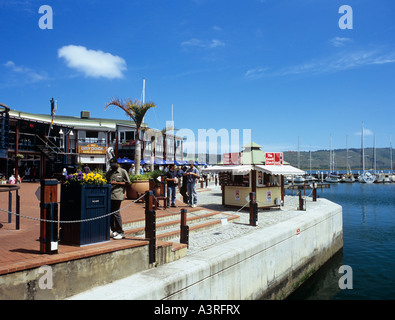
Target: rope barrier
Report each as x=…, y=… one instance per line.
x=73, y=221
x=111, y=213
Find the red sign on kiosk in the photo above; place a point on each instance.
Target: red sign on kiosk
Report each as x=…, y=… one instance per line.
x=274, y=158
x=231, y=158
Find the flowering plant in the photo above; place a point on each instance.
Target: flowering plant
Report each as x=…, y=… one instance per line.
x=85, y=178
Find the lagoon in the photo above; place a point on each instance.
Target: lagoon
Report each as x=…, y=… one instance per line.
x=368, y=245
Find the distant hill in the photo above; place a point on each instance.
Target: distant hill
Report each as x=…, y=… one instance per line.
x=320, y=159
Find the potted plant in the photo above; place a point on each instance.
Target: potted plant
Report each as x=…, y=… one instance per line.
x=139, y=185
x=85, y=196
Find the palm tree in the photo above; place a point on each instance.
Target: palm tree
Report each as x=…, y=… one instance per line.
x=136, y=111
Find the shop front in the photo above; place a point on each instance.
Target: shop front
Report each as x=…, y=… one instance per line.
x=267, y=181
x=93, y=155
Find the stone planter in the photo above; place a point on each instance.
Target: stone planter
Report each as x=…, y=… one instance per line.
x=136, y=189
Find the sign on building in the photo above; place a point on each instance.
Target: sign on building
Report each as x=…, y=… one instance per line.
x=231, y=158
x=274, y=158
x=92, y=148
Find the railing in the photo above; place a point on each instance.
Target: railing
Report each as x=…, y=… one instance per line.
x=10, y=188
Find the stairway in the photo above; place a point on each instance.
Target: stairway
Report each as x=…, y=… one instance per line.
x=168, y=228
x=168, y=225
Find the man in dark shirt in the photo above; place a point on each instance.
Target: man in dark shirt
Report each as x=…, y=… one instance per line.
x=172, y=182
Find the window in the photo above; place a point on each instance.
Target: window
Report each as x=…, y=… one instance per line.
x=126, y=136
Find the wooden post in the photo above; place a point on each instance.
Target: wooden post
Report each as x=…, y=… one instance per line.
x=253, y=210
x=184, y=229
x=49, y=211
x=9, y=206
x=314, y=192
x=253, y=181
x=282, y=189
x=16, y=164
x=300, y=201
x=150, y=226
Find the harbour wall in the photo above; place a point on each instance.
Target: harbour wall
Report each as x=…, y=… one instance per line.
x=269, y=263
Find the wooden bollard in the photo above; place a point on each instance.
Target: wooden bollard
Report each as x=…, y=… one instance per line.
x=49, y=211
x=253, y=210
x=184, y=229
x=300, y=201
x=314, y=192
x=150, y=225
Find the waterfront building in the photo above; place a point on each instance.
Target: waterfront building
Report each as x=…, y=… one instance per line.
x=46, y=144
x=257, y=171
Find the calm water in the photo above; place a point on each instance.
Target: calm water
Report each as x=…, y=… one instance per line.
x=368, y=245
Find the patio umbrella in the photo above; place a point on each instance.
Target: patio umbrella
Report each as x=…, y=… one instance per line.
x=125, y=160
x=145, y=161
x=180, y=162
x=159, y=162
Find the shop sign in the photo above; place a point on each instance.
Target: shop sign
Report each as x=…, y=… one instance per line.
x=92, y=148
x=231, y=158
x=274, y=158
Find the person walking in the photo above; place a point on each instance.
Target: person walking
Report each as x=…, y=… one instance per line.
x=192, y=174
x=118, y=178
x=172, y=182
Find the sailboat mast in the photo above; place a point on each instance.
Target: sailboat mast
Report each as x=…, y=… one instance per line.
x=374, y=154
x=330, y=155
x=363, y=151
x=298, y=152
x=143, y=90
x=391, y=166
x=347, y=152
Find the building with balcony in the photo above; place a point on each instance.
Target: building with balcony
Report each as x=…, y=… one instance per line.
x=47, y=144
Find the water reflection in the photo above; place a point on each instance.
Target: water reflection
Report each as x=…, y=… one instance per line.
x=324, y=284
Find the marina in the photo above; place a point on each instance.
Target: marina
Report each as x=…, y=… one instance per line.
x=368, y=245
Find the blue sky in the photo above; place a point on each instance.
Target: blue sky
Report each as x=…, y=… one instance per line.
x=282, y=68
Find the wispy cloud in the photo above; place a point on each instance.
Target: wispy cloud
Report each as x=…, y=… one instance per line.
x=366, y=132
x=340, y=62
x=93, y=63
x=339, y=41
x=206, y=44
x=29, y=75
x=255, y=73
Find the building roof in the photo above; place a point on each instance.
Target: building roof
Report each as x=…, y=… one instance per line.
x=90, y=123
x=252, y=145
x=244, y=169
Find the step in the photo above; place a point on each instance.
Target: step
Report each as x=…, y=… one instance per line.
x=168, y=226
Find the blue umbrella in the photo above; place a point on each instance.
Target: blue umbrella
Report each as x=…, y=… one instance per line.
x=169, y=161
x=125, y=160
x=145, y=161
x=159, y=161
x=180, y=163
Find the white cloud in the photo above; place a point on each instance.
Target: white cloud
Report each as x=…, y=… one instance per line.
x=340, y=42
x=207, y=44
x=92, y=63
x=29, y=74
x=366, y=132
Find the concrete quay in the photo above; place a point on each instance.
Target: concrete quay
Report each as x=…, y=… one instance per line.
x=237, y=261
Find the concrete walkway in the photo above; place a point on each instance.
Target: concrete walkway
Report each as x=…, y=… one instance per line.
x=213, y=253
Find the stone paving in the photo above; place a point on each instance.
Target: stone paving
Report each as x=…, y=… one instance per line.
x=212, y=200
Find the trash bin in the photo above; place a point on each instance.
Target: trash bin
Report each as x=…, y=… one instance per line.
x=81, y=202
